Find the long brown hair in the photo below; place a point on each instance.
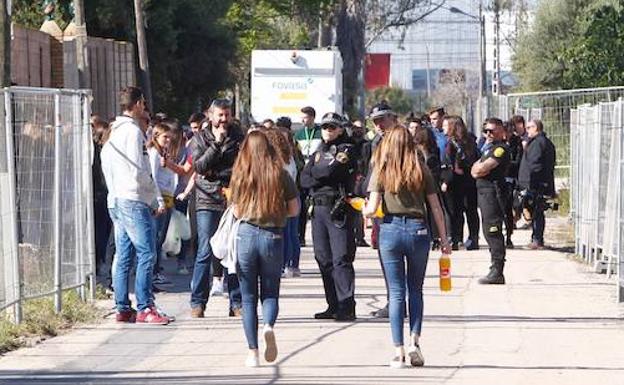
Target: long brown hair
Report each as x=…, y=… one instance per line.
x=457, y=130
x=396, y=163
x=279, y=142
x=256, y=179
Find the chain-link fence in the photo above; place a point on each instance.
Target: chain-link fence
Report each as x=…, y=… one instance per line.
x=596, y=193
x=45, y=195
x=553, y=108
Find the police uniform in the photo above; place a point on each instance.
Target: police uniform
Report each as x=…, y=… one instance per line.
x=491, y=195
x=330, y=176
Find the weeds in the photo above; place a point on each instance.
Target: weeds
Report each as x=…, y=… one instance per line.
x=39, y=319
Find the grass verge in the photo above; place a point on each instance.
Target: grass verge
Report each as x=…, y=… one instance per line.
x=39, y=320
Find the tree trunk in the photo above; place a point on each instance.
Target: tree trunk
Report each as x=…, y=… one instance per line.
x=350, y=32
x=5, y=45
x=146, y=81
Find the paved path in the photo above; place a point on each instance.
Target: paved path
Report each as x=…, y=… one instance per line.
x=554, y=323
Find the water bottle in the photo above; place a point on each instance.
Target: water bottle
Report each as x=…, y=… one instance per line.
x=445, y=273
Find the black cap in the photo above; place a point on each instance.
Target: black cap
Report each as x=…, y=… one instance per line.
x=332, y=119
x=380, y=110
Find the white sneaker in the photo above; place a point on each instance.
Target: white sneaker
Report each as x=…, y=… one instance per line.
x=416, y=356
x=398, y=362
x=270, y=348
x=217, y=287
x=252, y=361
x=296, y=272
x=288, y=273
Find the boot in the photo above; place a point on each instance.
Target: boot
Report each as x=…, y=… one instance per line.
x=346, y=311
x=495, y=276
x=330, y=313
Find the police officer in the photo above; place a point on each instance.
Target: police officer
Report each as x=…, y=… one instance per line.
x=490, y=173
x=330, y=176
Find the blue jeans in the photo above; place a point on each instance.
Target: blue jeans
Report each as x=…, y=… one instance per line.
x=260, y=255
x=207, y=224
x=134, y=231
x=292, y=247
x=403, y=240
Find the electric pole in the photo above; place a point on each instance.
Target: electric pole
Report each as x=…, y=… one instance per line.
x=82, y=53
x=496, y=84
x=142, y=47
x=5, y=43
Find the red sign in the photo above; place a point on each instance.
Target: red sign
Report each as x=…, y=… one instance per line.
x=377, y=70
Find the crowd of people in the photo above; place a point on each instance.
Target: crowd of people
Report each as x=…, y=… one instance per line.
x=422, y=179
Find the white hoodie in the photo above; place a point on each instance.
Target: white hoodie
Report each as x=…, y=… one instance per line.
x=126, y=166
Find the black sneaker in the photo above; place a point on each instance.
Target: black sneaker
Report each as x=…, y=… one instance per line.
x=327, y=314
x=471, y=245
x=381, y=313
x=362, y=243
x=235, y=312
x=509, y=244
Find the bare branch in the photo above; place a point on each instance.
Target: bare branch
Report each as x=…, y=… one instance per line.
x=399, y=18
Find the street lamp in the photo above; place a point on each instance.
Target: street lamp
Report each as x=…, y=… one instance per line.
x=481, y=20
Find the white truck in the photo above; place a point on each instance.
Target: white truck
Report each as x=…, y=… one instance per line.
x=284, y=81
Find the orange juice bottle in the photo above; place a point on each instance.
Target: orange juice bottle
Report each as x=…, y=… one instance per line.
x=445, y=273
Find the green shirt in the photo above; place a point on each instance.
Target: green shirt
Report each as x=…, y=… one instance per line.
x=290, y=192
x=308, y=140
x=405, y=202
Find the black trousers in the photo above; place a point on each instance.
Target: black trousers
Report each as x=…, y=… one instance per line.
x=509, y=214
x=334, y=250
x=461, y=198
x=303, y=214
x=493, y=217
x=358, y=226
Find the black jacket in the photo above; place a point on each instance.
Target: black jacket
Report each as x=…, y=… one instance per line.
x=213, y=163
x=460, y=154
x=329, y=169
x=537, y=168
x=515, y=154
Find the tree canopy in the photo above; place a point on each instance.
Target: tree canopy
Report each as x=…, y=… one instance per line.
x=572, y=44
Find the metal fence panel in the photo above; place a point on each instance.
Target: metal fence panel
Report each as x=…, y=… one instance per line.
x=52, y=160
x=554, y=109
x=597, y=144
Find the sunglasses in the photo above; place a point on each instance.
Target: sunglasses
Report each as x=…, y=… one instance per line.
x=486, y=132
x=329, y=128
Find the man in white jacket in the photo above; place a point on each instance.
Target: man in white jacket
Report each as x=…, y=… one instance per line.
x=133, y=200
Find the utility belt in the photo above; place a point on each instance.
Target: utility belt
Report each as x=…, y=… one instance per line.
x=324, y=200
x=339, y=208
x=499, y=188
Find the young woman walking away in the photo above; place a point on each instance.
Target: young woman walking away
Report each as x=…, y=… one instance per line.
x=264, y=196
x=403, y=185
x=292, y=248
